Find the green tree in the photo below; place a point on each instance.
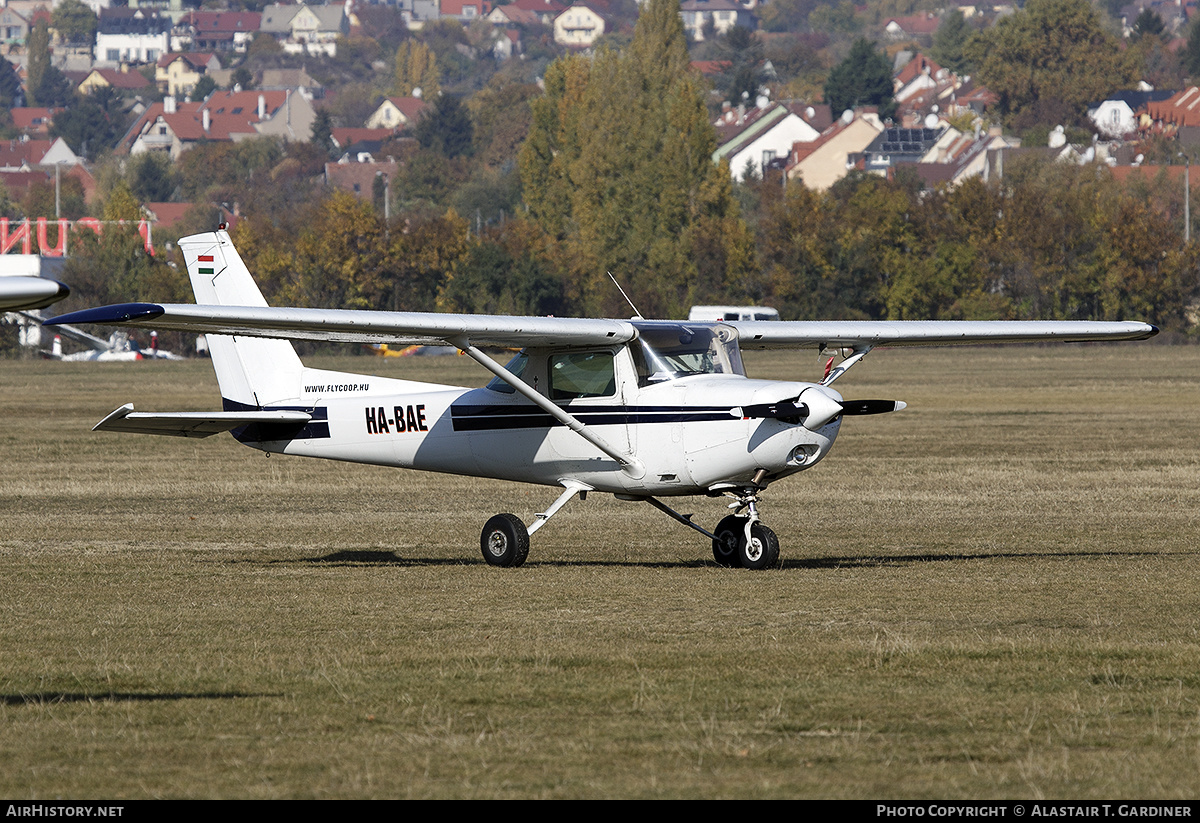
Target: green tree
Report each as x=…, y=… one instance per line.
x=93, y=124
x=10, y=86
x=322, y=132
x=152, y=177
x=204, y=87
x=950, y=40
x=1148, y=23
x=75, y=22
x=1191, y=52
x=242, y=78
x=618, y=170
x=446, y=128
x=1052, y=50
x=742, y=49
x=864, y=78
x=45, y=84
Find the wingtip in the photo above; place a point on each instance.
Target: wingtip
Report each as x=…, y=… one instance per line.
x=109, y=315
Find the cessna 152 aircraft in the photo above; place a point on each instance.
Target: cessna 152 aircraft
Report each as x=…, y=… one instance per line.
x=641, y=409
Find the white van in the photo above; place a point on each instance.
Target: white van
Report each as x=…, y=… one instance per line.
x=733, y=313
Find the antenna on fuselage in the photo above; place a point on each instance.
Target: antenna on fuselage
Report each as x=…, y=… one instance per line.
x=637, y=315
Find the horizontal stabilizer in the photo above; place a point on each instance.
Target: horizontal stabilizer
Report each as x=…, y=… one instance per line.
x=192, y=424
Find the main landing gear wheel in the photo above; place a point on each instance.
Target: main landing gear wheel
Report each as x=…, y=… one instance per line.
x=730, y=532
x=505, y=541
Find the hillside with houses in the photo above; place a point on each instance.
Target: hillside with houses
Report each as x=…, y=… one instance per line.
x=896, y=159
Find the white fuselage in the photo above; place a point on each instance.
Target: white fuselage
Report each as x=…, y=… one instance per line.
x=690, y=433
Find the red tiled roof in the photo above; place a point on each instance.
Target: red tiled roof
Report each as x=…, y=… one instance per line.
x=1181, y=110
x=349, y=136
x=122, y=79
x=28, y=118
x=166, y=215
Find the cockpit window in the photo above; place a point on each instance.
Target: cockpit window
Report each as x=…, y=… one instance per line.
x=517, y=367
x=582, y=374
x=669, y=351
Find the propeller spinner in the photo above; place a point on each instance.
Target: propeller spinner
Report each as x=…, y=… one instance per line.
x=815, y=407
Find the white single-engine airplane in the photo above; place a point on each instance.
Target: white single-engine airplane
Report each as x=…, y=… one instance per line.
x=641, y=409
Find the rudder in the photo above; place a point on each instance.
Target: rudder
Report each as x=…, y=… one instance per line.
x=251, y=371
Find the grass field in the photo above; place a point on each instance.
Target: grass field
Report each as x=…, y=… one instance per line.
x=993, y=594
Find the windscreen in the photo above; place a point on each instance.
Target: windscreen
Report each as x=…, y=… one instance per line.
x=669, y=351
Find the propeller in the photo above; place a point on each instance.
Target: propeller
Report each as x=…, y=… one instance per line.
x=816, y=407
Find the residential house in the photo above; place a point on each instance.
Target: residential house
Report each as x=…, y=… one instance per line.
x=546, y=10
x=898, y=145
x=917, y=27
x=397, y=113
x=33, y=120
x=957, y=156
x=219, y=31
x=28, y=155
x=131, y=35
x=305, y=29
x=178, y=74
x=358, y=178
x=464, y=10
x=14, y=27
x=507, y=42
x=822, y=162
x=749, y=139
x=509, y=15
x=174, y=127
x=719, y=15
x=116, y=79
x=355, y=141
x=1117, y=117
x=165, y=215
x=1177, y=116
x=579, y=26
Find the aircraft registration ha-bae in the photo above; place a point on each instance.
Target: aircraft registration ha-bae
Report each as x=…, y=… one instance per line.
x=645, y=410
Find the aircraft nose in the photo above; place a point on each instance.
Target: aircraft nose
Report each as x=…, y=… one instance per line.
x=823, y=405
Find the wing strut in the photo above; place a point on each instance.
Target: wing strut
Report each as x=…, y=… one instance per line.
x=629, y=464
x=859, y=353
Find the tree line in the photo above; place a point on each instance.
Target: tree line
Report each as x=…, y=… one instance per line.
x=614, y=176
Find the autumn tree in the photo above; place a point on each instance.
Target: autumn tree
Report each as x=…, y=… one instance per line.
x=1051, y=51
x=416, y=68
x=75, y=22
x=618, y=170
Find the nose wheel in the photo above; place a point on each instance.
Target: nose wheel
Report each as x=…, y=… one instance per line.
x=741, y=541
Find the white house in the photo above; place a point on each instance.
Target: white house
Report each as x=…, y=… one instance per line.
x=752, y=138
x=722, y=14
x=579, y=26
x=125, y=35
x=1117, y=116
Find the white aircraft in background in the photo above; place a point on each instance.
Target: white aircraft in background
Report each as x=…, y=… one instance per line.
x=641, y=409
x=118, y=347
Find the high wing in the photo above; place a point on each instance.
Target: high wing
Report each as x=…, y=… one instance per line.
x=349, y=326
x=859, y=334
x=426, y=328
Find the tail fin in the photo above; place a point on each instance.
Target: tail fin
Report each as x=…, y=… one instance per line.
x=252, y=371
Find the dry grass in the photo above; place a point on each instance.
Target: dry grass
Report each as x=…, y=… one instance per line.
x=991, y=594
